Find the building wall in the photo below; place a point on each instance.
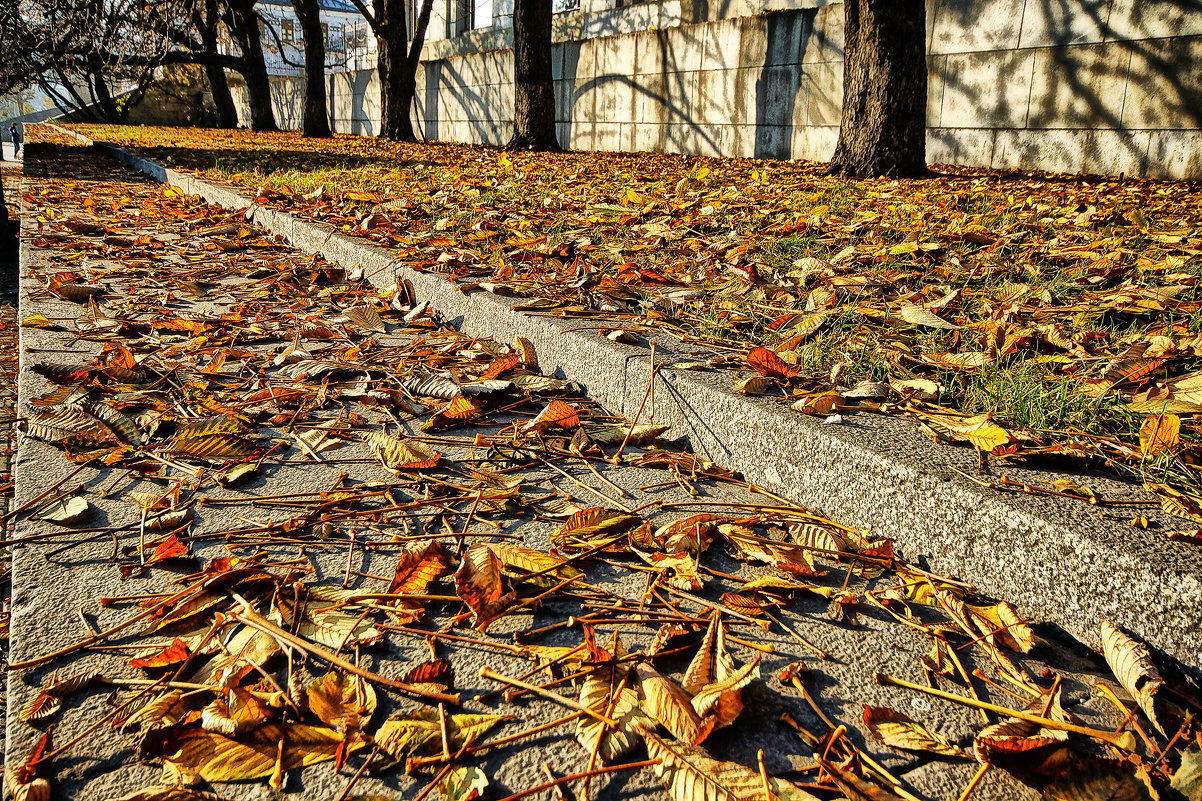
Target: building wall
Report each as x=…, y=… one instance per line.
x=1097, y=86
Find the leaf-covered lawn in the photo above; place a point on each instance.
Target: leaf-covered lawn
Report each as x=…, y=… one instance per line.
x=1060, y=314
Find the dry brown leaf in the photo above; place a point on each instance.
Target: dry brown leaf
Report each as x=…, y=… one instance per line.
x=639, y=435
x=665, y=701
x=480, y=584
x=618, y=702
x=1132, y=665
x=341, y=701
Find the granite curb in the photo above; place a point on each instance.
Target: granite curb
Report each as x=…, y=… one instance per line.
x=1059, y=561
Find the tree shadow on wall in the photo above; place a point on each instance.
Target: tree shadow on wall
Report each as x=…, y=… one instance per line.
x=1085, y=85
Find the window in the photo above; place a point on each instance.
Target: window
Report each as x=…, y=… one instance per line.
x=563, y=6
x=325, y=34
x=482, y=13
x=287, y=30
x=355, y=40
x=459, y=17
x=468, y=15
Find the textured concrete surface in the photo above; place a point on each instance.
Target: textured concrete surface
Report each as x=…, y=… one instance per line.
x=1061, y=561
x=53, y=595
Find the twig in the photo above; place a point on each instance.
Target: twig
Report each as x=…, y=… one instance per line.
x=95, y=638
x=34, y=502
x=617, y=457
x=764, y=775
x=972, y=785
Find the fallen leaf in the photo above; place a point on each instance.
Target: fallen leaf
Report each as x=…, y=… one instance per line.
x=898, y=731
x=769, y=364
x=342, y=702
x=691, y=774
x=217, y=758
x=1159, y=434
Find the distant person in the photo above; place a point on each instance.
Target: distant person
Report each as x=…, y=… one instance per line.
x=15, y=133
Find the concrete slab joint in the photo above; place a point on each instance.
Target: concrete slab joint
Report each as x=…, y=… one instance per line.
x=1056, y=562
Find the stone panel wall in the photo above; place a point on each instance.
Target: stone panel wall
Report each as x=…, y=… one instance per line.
x=1099, y=86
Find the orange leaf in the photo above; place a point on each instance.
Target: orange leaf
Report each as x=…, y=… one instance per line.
x=460, y=410
x=769, y=364
x=557, y=415
x=173, y=654
x=419, y=567
x=435, y=672
x=170, y=548
x=501, y=365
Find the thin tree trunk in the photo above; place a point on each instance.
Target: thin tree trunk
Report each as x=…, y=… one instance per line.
x=258, y=85
x=883, y=128
x=534, y=92
x=317, y=120
x=219, y=85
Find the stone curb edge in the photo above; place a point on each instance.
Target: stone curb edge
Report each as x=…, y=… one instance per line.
x=1062, y=565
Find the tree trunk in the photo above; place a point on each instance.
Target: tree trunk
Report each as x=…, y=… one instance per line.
x=219, y=86
x=104, y=98
x=223, y=98
x=398, y=82
x=534, y=93
x=883, y=128
x=258, y=85
x=317, y=120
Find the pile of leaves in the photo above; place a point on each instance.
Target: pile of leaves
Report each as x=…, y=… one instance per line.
x=1058, y=312
x=221, y=357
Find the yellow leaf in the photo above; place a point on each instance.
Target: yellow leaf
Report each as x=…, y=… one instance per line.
x=39, y=321
x=396, y=454
x=1159, y=434
x=982, y=432
x=1176, y=503
x=920, y=316
x=217, y=758
x=818, y=404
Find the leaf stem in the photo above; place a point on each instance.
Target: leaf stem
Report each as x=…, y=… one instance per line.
x=1124, y=741
x=489, y=673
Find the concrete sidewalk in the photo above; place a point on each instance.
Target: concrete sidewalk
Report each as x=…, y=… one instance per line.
x=1065, y=561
